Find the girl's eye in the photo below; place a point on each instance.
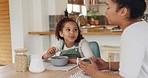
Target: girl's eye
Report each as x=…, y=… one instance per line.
x=68, y=30
x=76, y=29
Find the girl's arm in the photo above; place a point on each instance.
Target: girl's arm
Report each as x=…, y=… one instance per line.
x=86, y=51
x=52, y=51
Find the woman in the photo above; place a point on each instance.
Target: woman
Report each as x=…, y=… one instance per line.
x=134, y=41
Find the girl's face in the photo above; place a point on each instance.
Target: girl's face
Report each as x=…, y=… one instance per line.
x=69, y=32
x=112, y=15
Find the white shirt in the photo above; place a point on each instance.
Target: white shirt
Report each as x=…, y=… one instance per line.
x=134, y=51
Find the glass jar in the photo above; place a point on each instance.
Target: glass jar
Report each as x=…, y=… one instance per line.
x=21, y=60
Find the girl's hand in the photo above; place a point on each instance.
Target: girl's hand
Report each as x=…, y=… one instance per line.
x=50, y=52
x=87, y=68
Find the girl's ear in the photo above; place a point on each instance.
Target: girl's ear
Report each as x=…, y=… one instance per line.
x=61, y=33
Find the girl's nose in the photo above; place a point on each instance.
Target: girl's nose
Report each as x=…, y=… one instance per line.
x=72, y=32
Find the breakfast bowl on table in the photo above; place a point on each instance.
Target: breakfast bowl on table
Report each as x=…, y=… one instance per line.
x=59, y=60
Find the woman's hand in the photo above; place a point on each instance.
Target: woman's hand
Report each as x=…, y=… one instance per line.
x=50, y=52
x=101, y=64
x=87, y=68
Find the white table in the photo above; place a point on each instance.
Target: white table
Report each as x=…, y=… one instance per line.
x=9, y=72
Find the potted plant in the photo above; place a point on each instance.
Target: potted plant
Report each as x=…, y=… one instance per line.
x=93, y=16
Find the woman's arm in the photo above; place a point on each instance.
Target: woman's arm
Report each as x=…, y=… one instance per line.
x=102, y=65
x=92, y=70
x=114, y=66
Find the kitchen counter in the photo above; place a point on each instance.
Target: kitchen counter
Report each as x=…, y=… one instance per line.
x=85, y=33
x=86, y=30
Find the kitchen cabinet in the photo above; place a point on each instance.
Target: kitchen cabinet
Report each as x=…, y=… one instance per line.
x=79, y=2
x=97, y=7
x=96, y=12
x=5, y=36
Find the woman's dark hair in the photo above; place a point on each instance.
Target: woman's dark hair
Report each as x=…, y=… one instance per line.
x=136, y=7
x=61, y=25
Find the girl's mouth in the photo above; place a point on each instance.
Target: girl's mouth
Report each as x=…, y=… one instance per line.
x=72, y=37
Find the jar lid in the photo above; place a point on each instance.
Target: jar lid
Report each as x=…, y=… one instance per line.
x=18, y=50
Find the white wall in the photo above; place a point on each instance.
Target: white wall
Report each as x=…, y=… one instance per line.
x=25, y=16
x=32, y=15
x=57, y=7
x=16, y=23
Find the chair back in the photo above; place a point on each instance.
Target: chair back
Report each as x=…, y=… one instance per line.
x=94, y=46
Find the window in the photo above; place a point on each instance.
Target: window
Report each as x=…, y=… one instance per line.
x=76, y=8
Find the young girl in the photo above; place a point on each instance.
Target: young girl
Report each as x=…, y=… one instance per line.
x=70, y=42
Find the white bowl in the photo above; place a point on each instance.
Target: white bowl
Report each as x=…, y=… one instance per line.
x=59, y=60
